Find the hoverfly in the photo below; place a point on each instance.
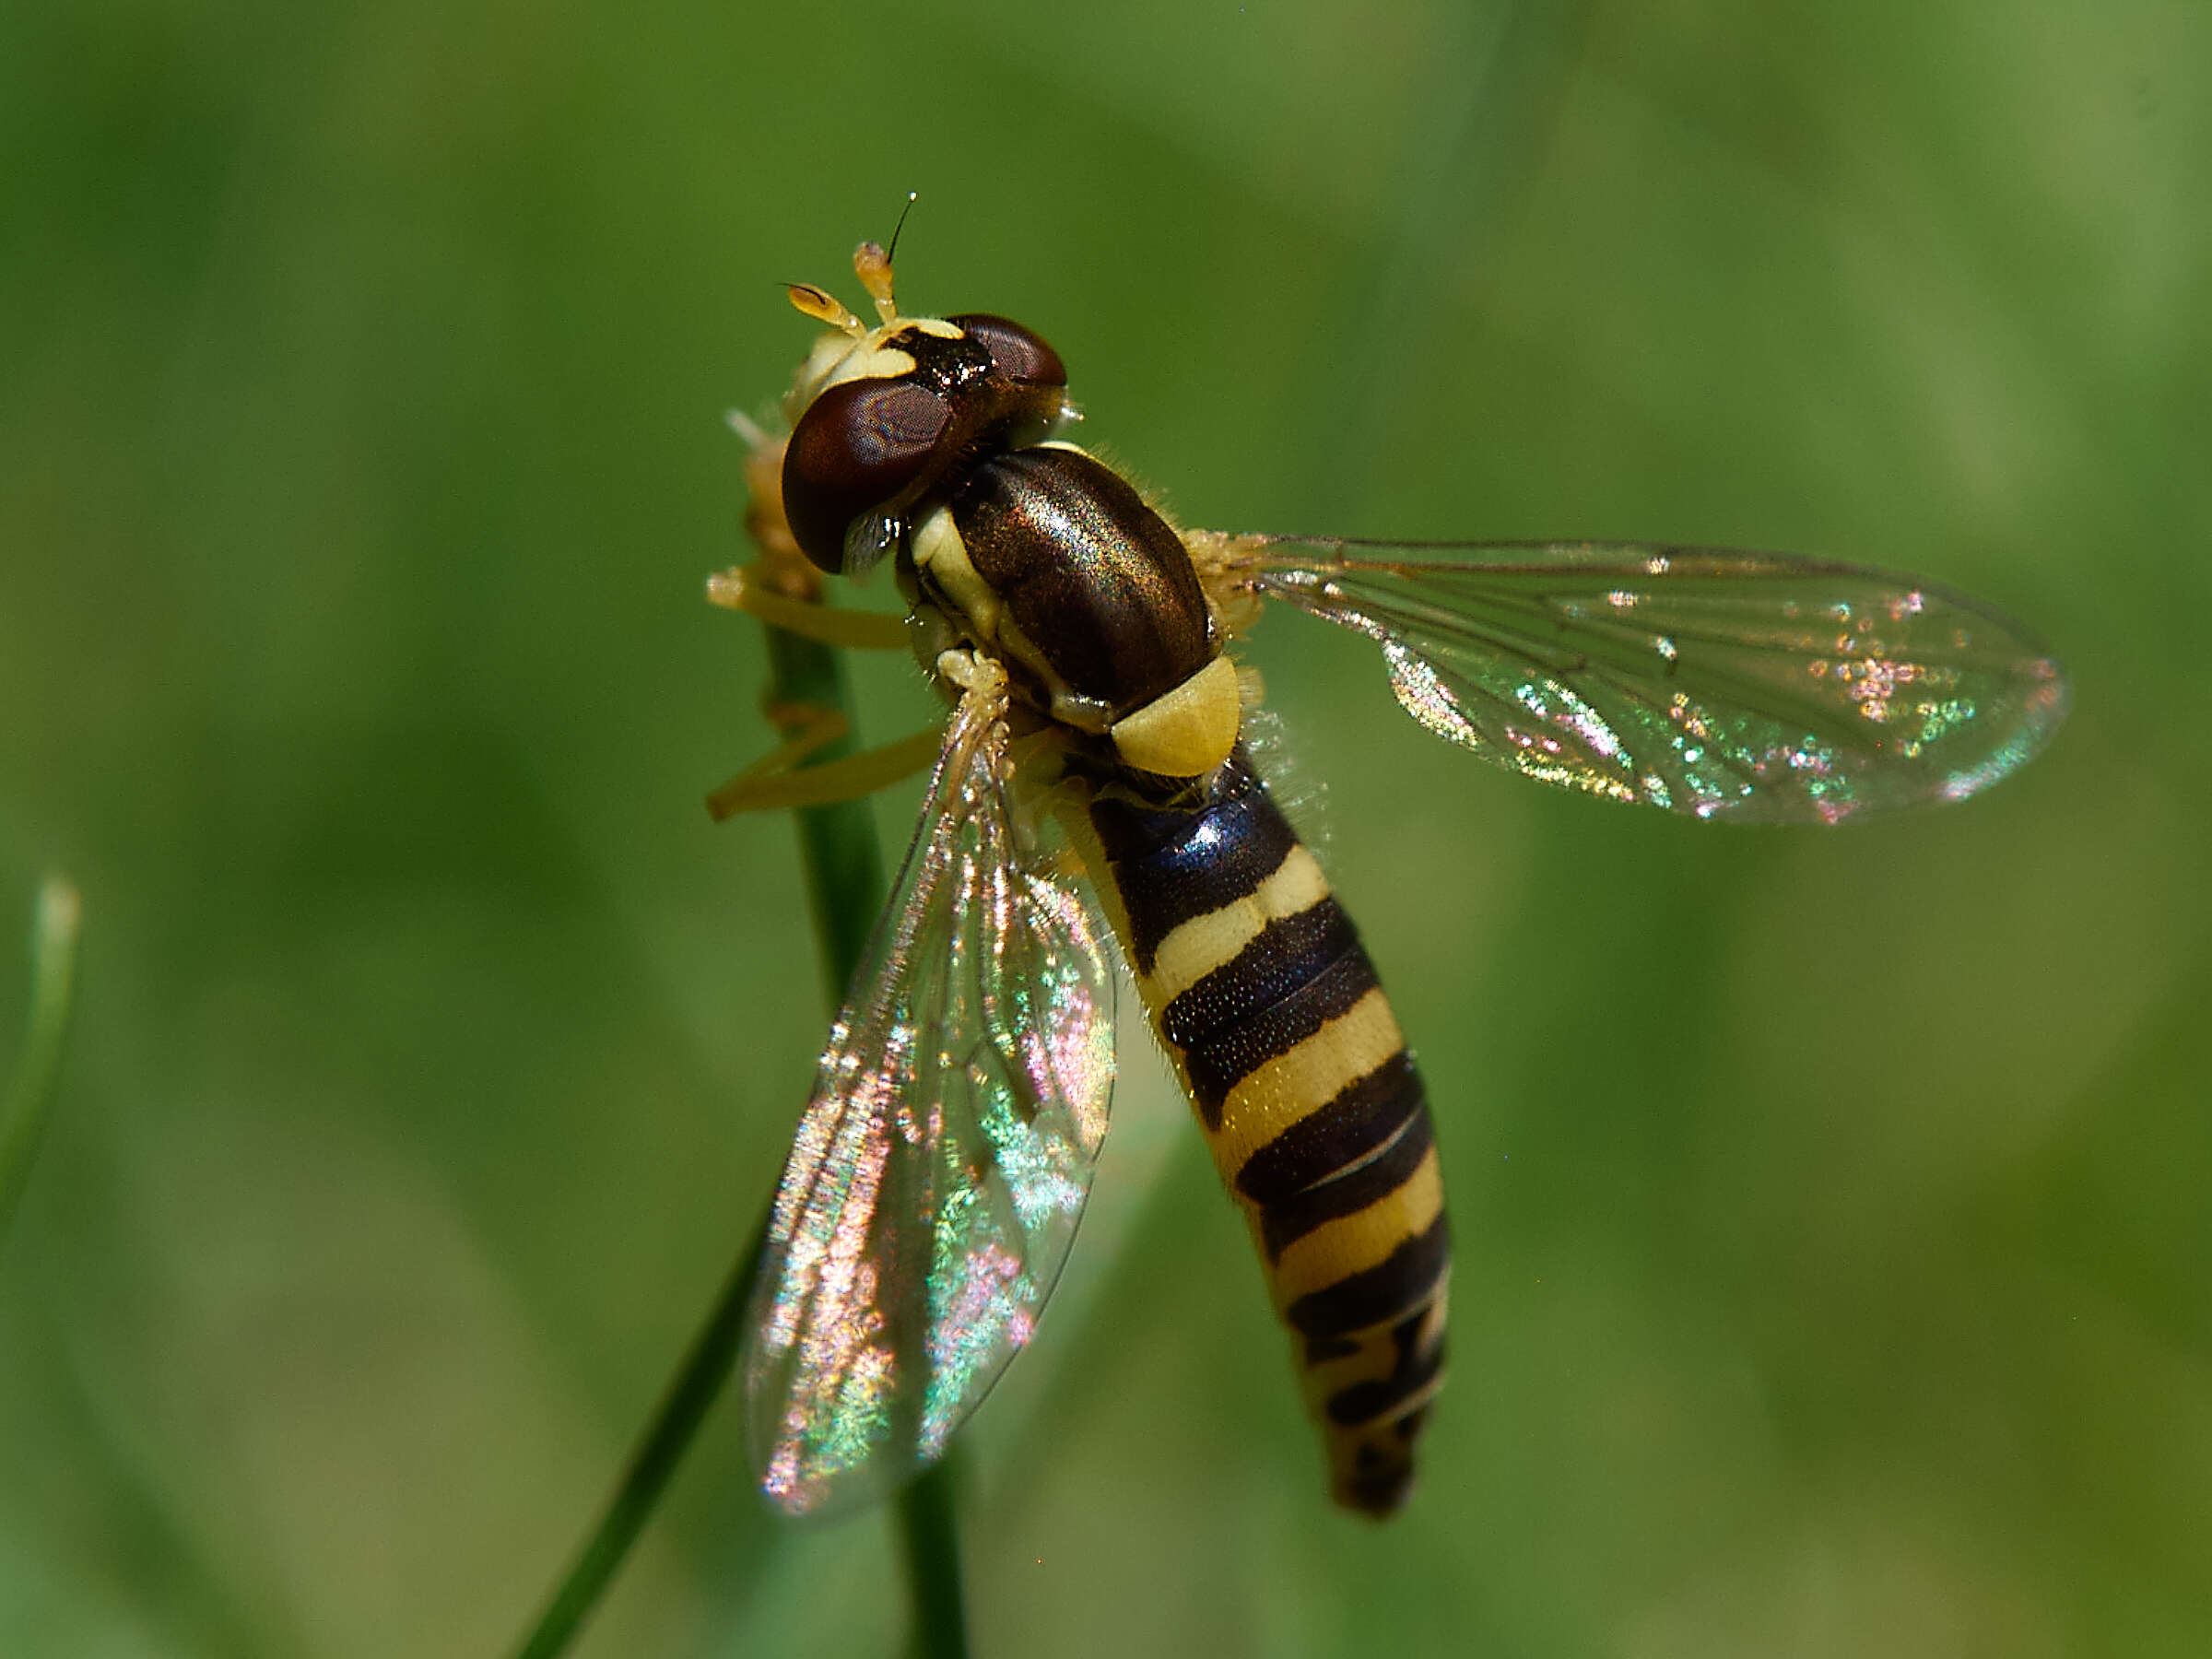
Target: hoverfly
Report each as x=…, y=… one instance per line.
x=1084, y=642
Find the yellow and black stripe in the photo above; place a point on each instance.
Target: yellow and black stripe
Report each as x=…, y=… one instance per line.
x=1268, y=1004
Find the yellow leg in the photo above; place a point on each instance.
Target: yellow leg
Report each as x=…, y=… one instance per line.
x=770, y=782
x=740, y=590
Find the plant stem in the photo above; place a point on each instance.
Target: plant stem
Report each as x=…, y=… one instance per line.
x=844, y=867
x=53, y=991
x=837, y=850
x=930, y=1537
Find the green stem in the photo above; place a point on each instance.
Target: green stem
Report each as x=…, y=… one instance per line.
x=837, y=849
x=930, y=1540
x=843, y=866
x=52, y=991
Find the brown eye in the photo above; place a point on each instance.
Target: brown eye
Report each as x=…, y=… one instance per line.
x=1019, y=355
x=858, y=445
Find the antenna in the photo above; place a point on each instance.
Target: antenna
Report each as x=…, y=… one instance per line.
x=912, y=197
x=872, y=264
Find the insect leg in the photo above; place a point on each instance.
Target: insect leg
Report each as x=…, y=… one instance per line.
x=740, y=590
x=771, y=782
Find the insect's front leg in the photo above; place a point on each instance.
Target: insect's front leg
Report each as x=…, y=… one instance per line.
x=783, y=591
x=781, y=587
x=743, y=588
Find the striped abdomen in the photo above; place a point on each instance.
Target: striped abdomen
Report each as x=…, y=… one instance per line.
x=1260, y=990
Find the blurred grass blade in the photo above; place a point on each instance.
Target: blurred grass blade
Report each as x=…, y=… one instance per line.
x=683, y=1407
x=52, y=991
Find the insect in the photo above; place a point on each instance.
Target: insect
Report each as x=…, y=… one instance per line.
x=1093, y=785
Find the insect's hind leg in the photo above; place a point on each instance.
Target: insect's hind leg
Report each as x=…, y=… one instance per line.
x=778, y=779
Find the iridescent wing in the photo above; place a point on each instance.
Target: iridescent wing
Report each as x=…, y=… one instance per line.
x=1706, y=681
x=934, y=1187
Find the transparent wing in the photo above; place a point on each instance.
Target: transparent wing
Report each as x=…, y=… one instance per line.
x=1704, y=680
x=934, y=1187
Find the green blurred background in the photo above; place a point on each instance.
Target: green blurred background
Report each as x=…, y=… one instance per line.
x=1832, y=1208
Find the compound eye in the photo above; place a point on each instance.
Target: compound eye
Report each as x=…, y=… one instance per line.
x=1017, y=353
x=857, y=446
